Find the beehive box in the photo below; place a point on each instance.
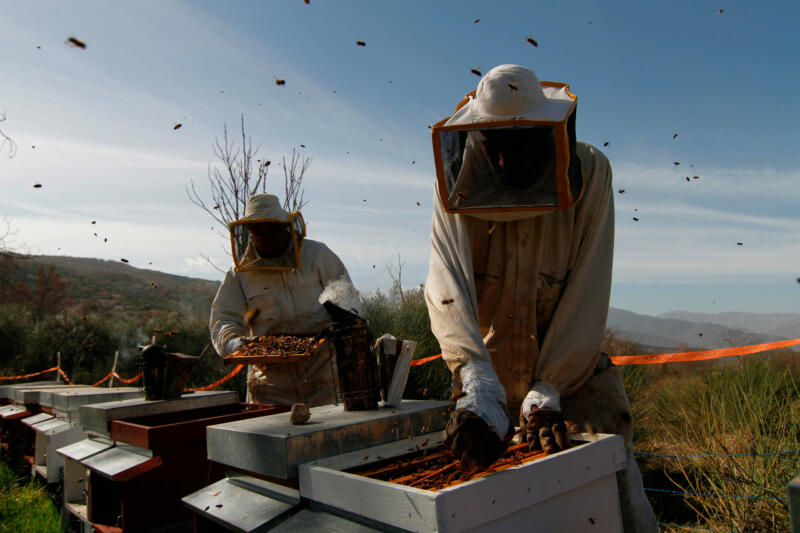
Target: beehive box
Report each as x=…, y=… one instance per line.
x=574, y=490
x=51, y=435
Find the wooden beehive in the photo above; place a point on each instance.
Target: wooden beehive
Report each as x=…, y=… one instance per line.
x=574, y=490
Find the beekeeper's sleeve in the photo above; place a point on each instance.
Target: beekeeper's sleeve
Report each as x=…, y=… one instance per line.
x=450, y=290
x=227, y=313
x=571, y=348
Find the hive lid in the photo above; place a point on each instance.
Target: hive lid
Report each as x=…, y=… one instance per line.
x=96, y=417
x=273, y=446
x=83, y=449
x=36, y=419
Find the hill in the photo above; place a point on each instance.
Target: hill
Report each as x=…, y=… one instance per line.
x=662, y=334
x=772, y=324
x=118, y=289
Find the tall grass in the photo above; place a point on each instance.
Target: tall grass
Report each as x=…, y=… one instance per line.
x=749, y=408
x=24, y=506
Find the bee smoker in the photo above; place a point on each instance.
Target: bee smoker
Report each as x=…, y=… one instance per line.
x=356, y=370
x=164, y=374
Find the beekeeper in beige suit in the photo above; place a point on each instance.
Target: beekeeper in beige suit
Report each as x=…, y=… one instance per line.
x=280, y=273
x=520, y=275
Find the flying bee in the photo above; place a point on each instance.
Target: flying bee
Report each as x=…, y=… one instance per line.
x=687, y=178
x=124, y=260
x=280, y=82
x=532, y=41
x=606, y=143
x=512, y=87
x=77, y=43
x=361, y=43
x=177, y=126
x=448, y=301
x=635, y=219
x=476, y=72
x=621, y=191
x=674, y=135
x=37, y=185
x=476, y=21
x=676, y=163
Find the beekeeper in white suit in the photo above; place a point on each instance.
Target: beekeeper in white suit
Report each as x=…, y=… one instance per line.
x=520, y=275
x=280, y=273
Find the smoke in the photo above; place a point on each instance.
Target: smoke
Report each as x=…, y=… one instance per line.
x=342, y=293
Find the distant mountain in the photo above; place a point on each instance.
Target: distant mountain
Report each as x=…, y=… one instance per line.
x=772, y=324
x=119, y=289
x=660, y=333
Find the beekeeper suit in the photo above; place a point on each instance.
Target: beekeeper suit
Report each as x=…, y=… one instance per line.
x=283, y=284
x=520, y=272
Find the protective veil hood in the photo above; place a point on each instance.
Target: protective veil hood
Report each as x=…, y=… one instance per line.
x=508, y=151
x=266, y=208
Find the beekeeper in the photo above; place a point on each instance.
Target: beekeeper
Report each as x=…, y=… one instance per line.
x=520, y=275
x=278, y=276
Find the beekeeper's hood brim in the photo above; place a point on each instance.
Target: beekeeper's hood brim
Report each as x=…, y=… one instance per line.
x=509, y=99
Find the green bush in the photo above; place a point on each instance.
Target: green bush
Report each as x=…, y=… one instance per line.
x=404, y=314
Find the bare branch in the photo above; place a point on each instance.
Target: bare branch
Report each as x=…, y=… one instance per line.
x=397, y=281
x=233, y=180
x=7, y=142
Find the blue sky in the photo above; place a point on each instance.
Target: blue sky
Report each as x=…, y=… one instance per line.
x=101, y=120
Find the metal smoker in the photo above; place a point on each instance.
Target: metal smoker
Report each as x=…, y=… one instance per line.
x=165, y=374
x=355, y=368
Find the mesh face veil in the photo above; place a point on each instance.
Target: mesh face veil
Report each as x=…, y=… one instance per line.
x=509, y=148
x=266, y=237
x=246, y=255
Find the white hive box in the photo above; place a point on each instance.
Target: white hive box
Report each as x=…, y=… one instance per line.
x=51, y=435
x=76, y=476
x=571, y=491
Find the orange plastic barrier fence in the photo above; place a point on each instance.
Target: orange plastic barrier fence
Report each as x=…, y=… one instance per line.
x=701, y=355
x=646, y=359
x=137, y=377
x=3, y=378
x=680, y=357
x=221, y=381
x=64, y=375
x=108, y=376
x=423, y=360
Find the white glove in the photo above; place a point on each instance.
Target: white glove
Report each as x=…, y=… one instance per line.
x=236, y=343
x=542, y=395
x=484, y=395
